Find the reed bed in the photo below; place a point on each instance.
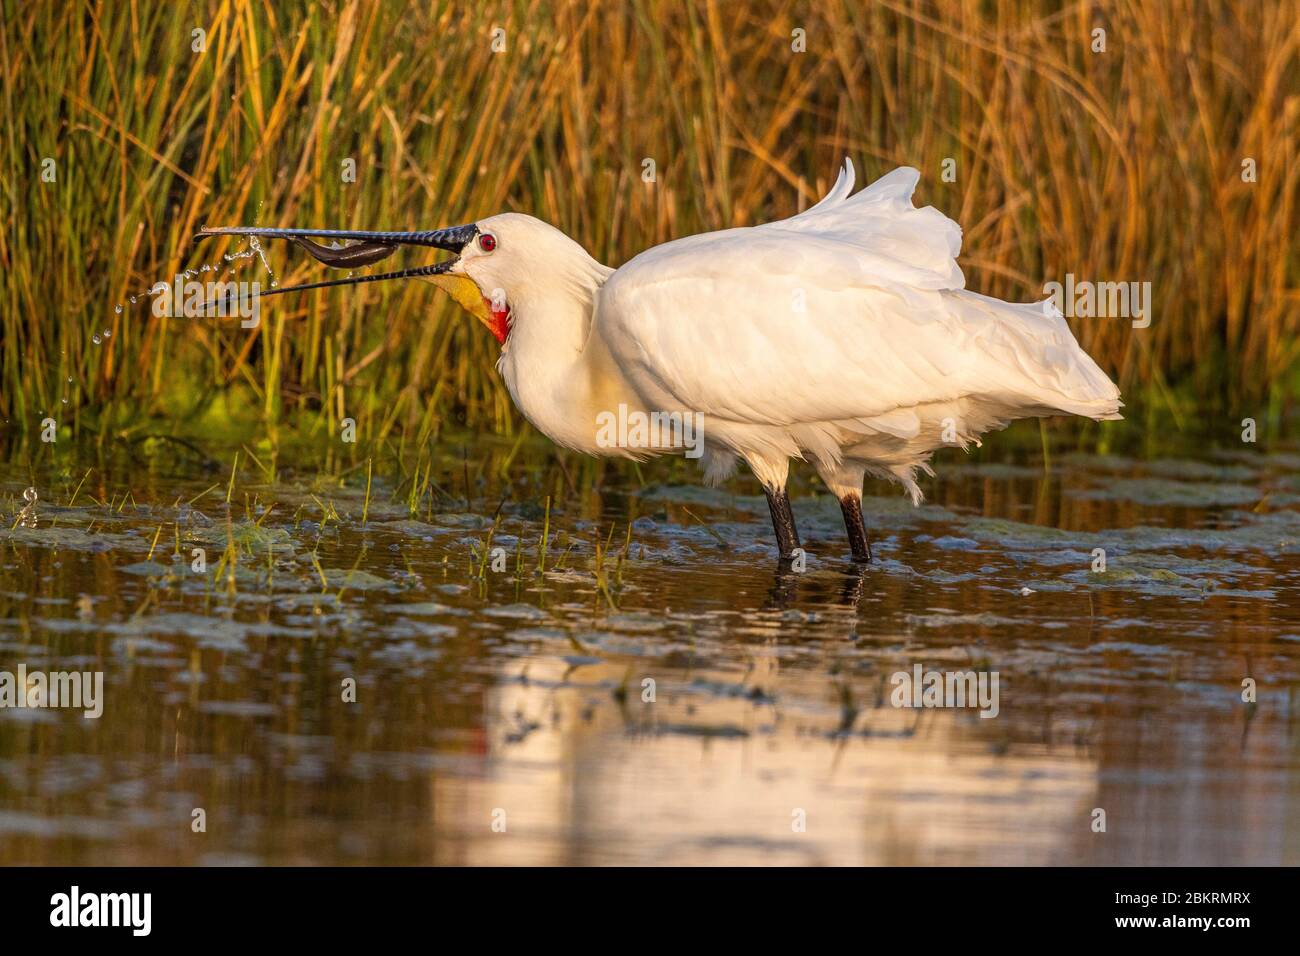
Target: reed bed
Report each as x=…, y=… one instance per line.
x=1116, y=166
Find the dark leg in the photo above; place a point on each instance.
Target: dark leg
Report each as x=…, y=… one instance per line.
x=851, y=505
x=787, y=537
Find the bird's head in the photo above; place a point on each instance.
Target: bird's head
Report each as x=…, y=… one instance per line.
x=499, y=262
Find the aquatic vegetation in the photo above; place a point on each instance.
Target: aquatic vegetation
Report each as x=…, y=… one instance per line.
x=159, y=140
x=1181, y=494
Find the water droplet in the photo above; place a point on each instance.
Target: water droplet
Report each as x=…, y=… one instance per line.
x=118, y=310
x=65, y=401
x=95, y=338
x=27, y=517
x=108, y=334
x=255, y=246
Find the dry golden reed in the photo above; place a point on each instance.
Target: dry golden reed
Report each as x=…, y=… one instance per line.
x=1115, y=166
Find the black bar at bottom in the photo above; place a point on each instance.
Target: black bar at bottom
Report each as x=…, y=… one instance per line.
x=699, y=905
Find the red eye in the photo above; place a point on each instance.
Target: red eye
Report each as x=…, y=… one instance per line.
x=487, y=242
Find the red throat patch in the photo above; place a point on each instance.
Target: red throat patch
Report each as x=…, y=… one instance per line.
x=500, y=326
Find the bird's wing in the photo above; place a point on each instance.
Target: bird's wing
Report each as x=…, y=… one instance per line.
x=849, y=310
x=890, y=236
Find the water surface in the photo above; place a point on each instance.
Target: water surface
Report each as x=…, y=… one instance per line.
x=501, y=715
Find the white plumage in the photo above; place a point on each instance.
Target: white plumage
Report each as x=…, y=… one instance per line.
x=843, y=335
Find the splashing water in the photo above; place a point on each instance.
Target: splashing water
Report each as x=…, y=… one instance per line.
x=27, y=517
x=255, y=249
x=261, y=254
x=237, y=259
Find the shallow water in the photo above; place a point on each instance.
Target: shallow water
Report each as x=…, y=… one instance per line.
x=500, y=716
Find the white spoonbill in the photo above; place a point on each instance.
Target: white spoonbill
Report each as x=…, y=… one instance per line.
x=843, y=336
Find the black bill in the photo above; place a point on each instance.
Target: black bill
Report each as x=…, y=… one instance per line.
x=364, y=248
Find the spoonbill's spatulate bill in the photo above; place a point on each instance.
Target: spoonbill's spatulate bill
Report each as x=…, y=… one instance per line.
x=843, y=336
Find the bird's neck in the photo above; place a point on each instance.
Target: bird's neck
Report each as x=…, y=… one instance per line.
x=559, y=375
